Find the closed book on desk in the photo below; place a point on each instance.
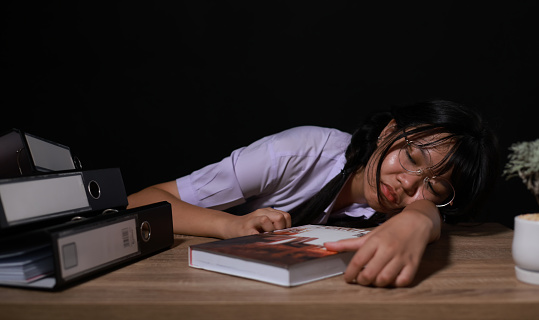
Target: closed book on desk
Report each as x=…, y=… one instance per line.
x=287, y=257
x=24, y=154
x=81, y=249
x=32, y=199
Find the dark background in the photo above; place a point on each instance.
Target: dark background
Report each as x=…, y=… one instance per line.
x=163, y=88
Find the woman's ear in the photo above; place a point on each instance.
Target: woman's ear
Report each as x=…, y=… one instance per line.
x=390, y=128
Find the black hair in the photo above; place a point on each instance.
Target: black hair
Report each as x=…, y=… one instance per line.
x=474, y=155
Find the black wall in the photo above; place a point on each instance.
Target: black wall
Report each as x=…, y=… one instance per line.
x=162, y=88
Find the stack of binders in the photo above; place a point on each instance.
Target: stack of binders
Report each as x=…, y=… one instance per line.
x=60, y=225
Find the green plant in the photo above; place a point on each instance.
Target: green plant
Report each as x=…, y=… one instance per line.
x=524, y=163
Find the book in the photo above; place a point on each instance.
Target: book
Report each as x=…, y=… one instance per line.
x=288, y=257
x=45, y=197
x=58, y=256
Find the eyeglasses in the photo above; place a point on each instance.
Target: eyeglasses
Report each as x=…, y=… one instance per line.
x=417, y=160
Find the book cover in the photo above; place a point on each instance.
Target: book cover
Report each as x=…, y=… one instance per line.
x=285, y=257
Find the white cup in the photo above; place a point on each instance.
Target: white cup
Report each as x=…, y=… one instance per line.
x=526, y=248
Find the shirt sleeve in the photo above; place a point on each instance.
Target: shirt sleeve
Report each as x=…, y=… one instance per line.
x=287, y=167
x=246, y=172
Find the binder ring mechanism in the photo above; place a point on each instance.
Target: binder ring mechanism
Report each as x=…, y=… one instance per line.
x=19, y=160
x=145, y=231
x=106, y=211
x=94, y=189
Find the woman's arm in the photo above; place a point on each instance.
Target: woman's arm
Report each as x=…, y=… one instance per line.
x=390, y=254
x=194, y=220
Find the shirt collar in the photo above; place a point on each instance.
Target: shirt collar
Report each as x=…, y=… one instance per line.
x=355, y=209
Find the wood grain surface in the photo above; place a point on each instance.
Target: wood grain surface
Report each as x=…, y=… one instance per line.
x=467, y=274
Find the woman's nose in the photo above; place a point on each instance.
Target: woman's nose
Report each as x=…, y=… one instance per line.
x=411, y=183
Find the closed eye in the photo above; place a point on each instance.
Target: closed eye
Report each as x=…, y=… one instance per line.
x=430, y=188
x=410, y=158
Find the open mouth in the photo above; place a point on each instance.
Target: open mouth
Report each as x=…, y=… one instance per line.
x=388, y=193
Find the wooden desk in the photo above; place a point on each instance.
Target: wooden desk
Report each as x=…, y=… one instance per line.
x=468, y=274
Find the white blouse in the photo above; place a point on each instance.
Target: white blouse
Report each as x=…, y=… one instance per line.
x=281, y=171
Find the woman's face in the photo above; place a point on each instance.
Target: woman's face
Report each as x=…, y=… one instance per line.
x=399, y=187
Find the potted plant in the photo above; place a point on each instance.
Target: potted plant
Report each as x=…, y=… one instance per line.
x=524, y=163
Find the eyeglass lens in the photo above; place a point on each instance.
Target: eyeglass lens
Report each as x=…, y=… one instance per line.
x=415, y=159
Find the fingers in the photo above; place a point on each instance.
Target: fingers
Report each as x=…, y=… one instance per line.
x=262, y=224
x=356, y=266
x=405, y=277
x=373, y=265
x=380, y=276
x=267, y=219
x=279, y=219
x=346, y=244
x=373, y=268
x=355, y=272
x=366, y=270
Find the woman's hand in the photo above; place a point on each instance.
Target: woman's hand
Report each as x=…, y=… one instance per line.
x=390, y=254
x=261, y=220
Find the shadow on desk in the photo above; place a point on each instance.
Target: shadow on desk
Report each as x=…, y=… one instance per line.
x=435, y=259
x=474, y=229
x=177, y=242
x=439, y=254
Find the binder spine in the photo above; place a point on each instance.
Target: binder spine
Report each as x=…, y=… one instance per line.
x=88, y=250
x=155, y=229
x=105, y=189
x=26, y=200
x=101, y=244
